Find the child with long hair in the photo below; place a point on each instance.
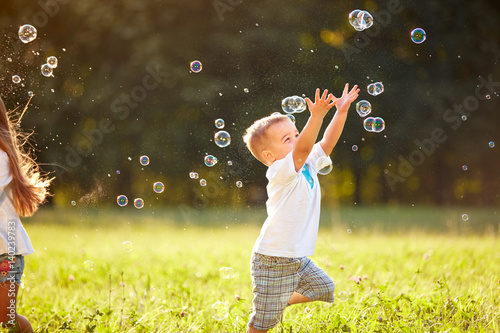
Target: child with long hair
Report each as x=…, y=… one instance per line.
x=22, y=189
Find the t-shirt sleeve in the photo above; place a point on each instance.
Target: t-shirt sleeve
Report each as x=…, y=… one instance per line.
x=5, y=175
x=283, y=170
x=317, y=158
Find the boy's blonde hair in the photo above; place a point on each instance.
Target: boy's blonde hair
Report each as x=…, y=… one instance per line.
x=256, y=137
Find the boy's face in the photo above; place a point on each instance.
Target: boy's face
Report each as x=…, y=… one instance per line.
x=282, y=138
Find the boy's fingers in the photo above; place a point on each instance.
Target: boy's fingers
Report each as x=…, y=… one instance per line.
x=309, y=103
x=317, y=94
x=332, y=103
x=346, y=88
x=323, y=97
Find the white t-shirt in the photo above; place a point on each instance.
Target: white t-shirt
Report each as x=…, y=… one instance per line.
x=293, y=208
x=10, y=225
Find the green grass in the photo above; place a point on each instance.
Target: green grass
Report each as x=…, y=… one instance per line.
x=416, y=281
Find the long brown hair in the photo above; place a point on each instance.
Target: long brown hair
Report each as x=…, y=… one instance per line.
x=29, y=186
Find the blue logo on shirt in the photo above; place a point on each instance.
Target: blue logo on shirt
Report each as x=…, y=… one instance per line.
x=306, y=174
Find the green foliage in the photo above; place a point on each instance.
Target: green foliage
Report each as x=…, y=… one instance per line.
x=395, y=281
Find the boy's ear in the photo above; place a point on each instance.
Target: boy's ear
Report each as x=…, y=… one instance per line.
x=268, y=156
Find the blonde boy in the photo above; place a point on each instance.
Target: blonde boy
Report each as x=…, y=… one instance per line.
x=282, y=273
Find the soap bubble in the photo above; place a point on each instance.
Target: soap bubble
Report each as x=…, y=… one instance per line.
x=465, y=217
x=88, y=265
x=203, y=182
x=324, y=165
x=293, y=104
x=27, y=33
x=353, y=18
x=46, y=70
x=138, y=203
x=230, y=163
x=219, y=123
x=363, y=108
x=196, y=66
x=226, y=273
x=144, y=160
x=488, y=97
x=375, y=89
x=354, y=148
x=246, y=90
x=349, y=231
x=220, y=311
x=122, y=200
x=73, y=203
x=193, y=175
x=418, y=35
x=378, y=125
x=491, y=144
x=210, y=160
x=291, y=117
x=343, y=296
x=127, y=246
x=52, y=61
x=368, y=124
x=464, y=167
x=222, y=139
x=16, y=79
x=239, y=184
x=158, y=187
x=464, y=118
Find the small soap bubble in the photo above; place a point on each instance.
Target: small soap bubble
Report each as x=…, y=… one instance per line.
x=354, y=148
x=324, y=165
x=368, y=124
x=203, y=182
x=144, y=160
x=291, y=117
x=220, y=311
x=121, y=200
x=464, y=167
x=465, y=217
x=353, y=18
x=16, y=79
x=226, y=272
x=30, y=94
x=365, y=19
x=378, y=125
x=138, y=203
x=117, y=172
x=363, y=108
x=336, y=66
x=464, y=118
x=488, y=97
x=491, y=144
x=193, y=175
x=88, y=265
x=349, y=231
x=127, y=246
x=9, y=59
x=46, y=70
x=293, y=104
x=27, y=33
x=196, y=66
x=73, y=203
x=52, y=61
x=239, y=184
x=275, y=114
x=219, y=123
x=418, y=35
x=230, y=163
x=246, y=90
x=343, y=296
x=222, y=139
x=375, y=89
x=158, y=187
x=210, y=160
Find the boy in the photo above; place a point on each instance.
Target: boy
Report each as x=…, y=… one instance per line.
x=282, y=273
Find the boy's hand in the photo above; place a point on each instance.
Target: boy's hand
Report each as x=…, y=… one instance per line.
x=347, y=98
x=322, y=104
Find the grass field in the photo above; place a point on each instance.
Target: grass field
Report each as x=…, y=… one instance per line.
x=442, y=280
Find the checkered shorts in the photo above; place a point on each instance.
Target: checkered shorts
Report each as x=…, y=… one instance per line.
x=274, y=279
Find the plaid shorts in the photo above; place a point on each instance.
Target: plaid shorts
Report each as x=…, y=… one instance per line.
x=11, y=268
x=275, y=279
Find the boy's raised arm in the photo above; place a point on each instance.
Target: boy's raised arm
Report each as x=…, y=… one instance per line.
x=309, y=134
x=334, y=129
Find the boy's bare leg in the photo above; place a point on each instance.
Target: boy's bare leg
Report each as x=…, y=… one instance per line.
x=5, y=297
x=253, y=330
x=298, y=298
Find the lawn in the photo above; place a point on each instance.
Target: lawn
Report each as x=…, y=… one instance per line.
x=392, y=279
